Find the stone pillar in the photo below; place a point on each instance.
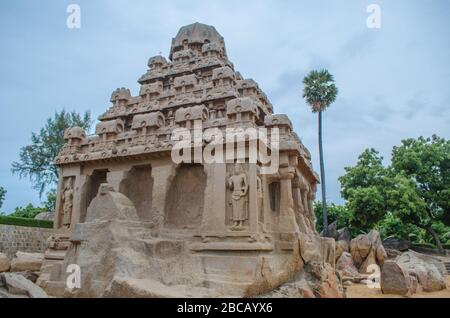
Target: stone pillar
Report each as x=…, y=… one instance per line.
x=253, y=214
x=162, y=174
x=267, y=225
x=287, y=222
x=58, y=205
x=214, y=211
x=80, y=180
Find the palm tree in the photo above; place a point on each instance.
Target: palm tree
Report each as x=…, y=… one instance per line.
x=320, y=92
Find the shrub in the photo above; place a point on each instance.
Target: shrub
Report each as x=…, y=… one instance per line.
x=17, y=221
x=28, y=212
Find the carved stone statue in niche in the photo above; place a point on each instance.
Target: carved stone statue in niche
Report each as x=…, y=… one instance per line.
x=238, y=184
x=259, y=195
x=67, y=199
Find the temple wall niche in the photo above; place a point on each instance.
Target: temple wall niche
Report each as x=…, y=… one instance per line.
x=274, y=196
x=185, y=198
x=90, y=189
x=138, y=187
x=233, y=187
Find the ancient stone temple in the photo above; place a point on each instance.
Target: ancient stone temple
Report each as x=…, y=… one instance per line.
x=139, y=223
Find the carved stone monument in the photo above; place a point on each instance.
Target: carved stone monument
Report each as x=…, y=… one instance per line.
x=139, y=223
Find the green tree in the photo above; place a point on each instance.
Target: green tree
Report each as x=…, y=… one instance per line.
x=425, y=164
x=413, y=190
x=362, y=187
x=36, y=159
x=392, y=225
x=50, y=203
x=2, y=196
x=320, y=92
x=28, y=212
x=335, y=212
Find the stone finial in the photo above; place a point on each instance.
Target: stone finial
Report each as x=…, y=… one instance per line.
x=241, y=105
x=278, y=120
x=74, y=133
x=198, y=112
x=120, y=94
x=194, y=36
x=109, y=127
x=186, y=80
x=247, y=84
x=222, y=73
x=156, y=61
x=151, y=120
x=153, y=88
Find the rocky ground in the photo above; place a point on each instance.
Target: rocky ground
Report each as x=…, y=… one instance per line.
x=362, y=291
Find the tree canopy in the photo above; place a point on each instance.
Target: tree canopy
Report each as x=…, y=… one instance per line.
x=36, y=159
x=413, y=191
x=319, y=90
x=2, y=195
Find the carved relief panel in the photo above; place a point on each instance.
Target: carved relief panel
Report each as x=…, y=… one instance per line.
x=67, y=202
x=237, y=183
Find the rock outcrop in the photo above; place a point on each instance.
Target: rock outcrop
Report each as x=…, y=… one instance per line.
x=425, y=269
x=410, y=272
x=27, y=262
x=45, y=216
x=17, y=285
x=396, y=280
x=5, y=264
x=366, y=250
x=346, y=267
x=397, y=244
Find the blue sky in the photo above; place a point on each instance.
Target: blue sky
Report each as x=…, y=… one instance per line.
x=393, y=81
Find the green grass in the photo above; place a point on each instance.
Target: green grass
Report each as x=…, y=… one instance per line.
x=10, y=220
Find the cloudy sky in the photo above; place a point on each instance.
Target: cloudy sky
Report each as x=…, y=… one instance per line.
x=393, y=81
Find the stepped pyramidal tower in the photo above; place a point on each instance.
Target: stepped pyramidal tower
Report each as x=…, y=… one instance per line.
x=136, y=222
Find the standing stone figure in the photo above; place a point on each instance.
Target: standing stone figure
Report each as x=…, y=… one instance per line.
x=238, y=184
x=67, y=197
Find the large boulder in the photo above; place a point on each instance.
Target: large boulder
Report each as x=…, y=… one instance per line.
x=17, y=284
x=326, y=283
x=344, y=235
x=330, y=231
x=427, y=272
x=27, y=262
x=45, y=216
x=397, y=244
x=396, y=280
x=431, y=260
x=5, y=264
x=341, y=247
x=345, y=266
x=367, y=250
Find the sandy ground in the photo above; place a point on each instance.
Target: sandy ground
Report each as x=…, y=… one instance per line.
x=362, y=291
